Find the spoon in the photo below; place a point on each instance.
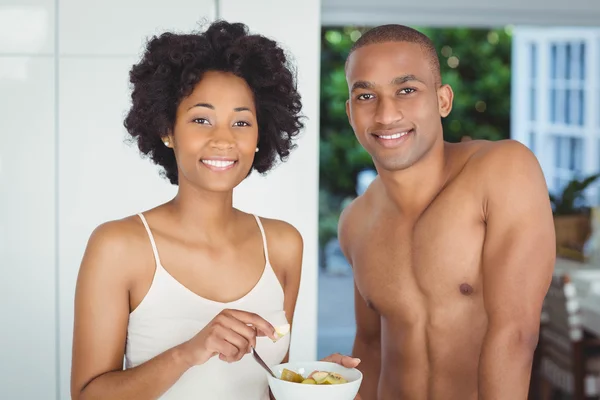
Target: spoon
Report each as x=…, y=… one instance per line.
x=261, y=362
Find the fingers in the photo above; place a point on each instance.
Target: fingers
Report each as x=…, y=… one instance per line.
x=263, y=327
x=234, y=331
x=345, y=361
x=229, y=344
x=227, y=351
x=248, y=332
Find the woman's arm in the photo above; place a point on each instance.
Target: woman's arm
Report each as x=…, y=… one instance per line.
x=101, y=318
x=285, y=253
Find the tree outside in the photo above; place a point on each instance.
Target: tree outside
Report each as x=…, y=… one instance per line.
x=475, y=62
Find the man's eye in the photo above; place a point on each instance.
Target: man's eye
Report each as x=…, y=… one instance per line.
x=407, y=90
x=364, y=96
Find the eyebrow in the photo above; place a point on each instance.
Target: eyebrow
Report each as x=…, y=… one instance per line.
x=405, y=78
x=396, y=81
x=208, y=105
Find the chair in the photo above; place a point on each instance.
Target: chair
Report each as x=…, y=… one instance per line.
x=569, y=356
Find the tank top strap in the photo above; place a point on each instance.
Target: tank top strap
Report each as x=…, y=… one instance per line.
x=152, y=242
x=264, y=238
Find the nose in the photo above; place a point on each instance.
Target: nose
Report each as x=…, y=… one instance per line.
x=223, y=139
x=388, y=112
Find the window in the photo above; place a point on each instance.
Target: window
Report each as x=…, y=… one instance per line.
x=556, y=101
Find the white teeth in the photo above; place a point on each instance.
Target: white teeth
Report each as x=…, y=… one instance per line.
x=218, y=163
x=393, y=136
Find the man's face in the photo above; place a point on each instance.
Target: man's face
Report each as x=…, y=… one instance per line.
x=396, y=103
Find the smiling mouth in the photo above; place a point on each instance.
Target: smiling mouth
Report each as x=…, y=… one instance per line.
x=219, y=165
x=393, y=136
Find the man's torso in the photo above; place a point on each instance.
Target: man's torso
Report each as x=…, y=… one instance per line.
x=422, y=275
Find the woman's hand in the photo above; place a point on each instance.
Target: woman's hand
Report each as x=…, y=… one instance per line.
x=230, y=335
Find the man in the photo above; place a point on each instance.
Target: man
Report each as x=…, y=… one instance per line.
x=452, y=245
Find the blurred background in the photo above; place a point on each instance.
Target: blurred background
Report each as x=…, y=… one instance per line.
x=526, y=70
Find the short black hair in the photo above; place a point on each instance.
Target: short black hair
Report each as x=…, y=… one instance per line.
x=401, y=33
x=173, y=64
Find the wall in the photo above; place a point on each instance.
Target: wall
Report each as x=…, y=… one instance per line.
x=65, y=167
x=27, y=200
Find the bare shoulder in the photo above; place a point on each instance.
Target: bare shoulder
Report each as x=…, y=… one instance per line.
x=284, y=241
x=505, y=173
x=116, y=247
x=353, y=220
x=503, y=162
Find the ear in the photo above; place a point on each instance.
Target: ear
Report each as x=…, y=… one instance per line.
x=445, y=99
x=168, y=140
x=348, y=112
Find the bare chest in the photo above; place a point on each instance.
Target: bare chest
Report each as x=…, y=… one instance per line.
x=407, y=266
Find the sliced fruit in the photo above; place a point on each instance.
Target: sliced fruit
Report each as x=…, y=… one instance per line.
x=281, y=331
x=319, y=376
x=335, y=379
x=309, y=381
x=291, y=376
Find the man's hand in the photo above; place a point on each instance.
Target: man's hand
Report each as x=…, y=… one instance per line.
x=344, y=361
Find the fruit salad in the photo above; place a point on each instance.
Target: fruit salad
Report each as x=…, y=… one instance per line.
x=315, y=378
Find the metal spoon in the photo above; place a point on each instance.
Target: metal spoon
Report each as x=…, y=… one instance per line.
x=261, y=362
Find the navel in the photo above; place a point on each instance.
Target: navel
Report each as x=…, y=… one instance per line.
x=466, y=289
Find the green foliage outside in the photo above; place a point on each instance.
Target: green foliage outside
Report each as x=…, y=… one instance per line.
x=475, y=62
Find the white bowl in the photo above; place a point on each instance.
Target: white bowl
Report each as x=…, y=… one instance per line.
x=283, y=390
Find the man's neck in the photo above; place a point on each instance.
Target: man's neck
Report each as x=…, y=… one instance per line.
x=412, y=190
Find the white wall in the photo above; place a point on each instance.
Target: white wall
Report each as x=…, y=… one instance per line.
x=27, y=200
x=461, y=12
x=64, y=166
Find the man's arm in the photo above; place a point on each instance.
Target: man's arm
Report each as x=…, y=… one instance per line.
x=518, y=259
x=367, y=346
x=367, y=343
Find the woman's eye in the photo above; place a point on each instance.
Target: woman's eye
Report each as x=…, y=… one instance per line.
x=201, y=121
x=241, y=123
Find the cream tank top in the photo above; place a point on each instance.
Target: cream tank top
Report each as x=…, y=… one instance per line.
x=171, y=314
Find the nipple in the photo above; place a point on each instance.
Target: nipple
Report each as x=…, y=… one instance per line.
x=466, y=289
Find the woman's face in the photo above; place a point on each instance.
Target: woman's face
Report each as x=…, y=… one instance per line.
x=216, y=133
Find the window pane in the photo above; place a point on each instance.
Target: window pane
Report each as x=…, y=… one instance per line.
x=568, y=107
x=582, y=61
x=560, y=106
x=532, y=103
x=557, y=153
x=533, y=55
x=553, y=61
x=568, y=53
x=581, y=104
x=552, y=105
x=575, y=154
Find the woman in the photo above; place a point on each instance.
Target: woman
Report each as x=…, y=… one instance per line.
x=182, y=291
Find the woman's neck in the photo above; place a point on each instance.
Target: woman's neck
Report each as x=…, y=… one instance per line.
x=203, y=214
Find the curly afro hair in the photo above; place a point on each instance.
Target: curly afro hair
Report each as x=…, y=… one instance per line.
x=173, y=64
